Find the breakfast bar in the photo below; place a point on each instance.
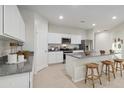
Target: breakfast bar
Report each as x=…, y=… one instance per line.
x=75, y=63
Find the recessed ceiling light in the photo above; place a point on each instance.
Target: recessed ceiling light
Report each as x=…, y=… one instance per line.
x=114, y=17
x=93, y=24
x=61, y=17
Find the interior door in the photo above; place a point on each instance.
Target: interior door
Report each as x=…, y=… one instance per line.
x=41, y=45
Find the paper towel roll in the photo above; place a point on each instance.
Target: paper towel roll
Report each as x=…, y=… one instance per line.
x=12, y=58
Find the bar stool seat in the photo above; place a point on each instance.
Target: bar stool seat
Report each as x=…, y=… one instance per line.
x=92, y=65
x=92, y=76
x=108, y=64
x=119, y=68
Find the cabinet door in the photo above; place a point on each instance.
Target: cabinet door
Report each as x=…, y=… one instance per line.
x=54, y=38
x=76, y=39
x=15, y=81
x=66, y=35
x=51, y=57
x=59, y=57
x=1, y=21
x=11, y=21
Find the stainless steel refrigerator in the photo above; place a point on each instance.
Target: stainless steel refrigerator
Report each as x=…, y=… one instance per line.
x=86, y=45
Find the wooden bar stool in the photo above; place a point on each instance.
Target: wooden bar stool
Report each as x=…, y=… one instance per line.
x=109, y=65
x=120, y=63
x=92, y=76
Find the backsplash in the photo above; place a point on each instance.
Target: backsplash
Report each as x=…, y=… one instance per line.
x=5, y=47
x=71, y=46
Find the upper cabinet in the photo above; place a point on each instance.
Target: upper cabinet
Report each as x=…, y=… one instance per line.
x=54, y=38
x=66, y=35
x=1, y=26
x=14, y=26
x=76, y=39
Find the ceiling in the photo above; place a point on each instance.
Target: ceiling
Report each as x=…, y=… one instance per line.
x=101, y=15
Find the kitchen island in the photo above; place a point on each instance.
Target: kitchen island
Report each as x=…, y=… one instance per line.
x=17, y=75
x=75, y=63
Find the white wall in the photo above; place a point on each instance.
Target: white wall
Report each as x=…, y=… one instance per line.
x=28, y=17
x=67, y=30
x=104, y=40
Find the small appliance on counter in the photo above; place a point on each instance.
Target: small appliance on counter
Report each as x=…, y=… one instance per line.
x=21, y=58
x=12, y=58
x=15, y=58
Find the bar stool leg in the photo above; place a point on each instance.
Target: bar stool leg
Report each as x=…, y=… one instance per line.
x=121, y=69
x=99, y=75
x=113, y=71
x=86, y=75
x=116, y=66
x=108, y=73
x=102, y=69
x=92, y=74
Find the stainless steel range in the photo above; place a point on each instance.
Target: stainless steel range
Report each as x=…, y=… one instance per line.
x=66, y=50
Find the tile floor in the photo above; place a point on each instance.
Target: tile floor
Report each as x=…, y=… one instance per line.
x=55, y=76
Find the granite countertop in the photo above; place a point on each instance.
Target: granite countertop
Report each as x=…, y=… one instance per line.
x=10, y=69
x=82, y=55
x=55, y=51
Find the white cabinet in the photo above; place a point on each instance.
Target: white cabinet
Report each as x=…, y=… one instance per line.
x=54, y=38
x=13, y=23
x=51, y=57
x=1, y=19
x=55, y=57
x=66, y=35
x=76, y=39
x=59, y=57
x=15, y=81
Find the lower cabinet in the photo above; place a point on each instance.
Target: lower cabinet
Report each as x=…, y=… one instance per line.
x=55, y=57
x=15, y=81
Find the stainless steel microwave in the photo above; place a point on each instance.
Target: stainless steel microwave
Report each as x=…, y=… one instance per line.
x=66, y=40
